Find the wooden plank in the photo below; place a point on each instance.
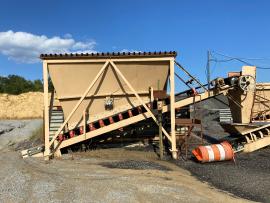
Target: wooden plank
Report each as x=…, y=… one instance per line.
x=39, y=155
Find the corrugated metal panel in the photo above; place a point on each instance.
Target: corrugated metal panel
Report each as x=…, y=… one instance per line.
x=109, y=55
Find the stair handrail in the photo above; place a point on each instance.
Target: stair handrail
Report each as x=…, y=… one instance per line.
x=185, y=71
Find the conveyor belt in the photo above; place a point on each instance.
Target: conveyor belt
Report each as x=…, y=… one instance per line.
x=257, y=138
x=125, y=118
x=251, y=139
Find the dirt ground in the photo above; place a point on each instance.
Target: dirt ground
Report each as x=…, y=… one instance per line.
x=102, y=175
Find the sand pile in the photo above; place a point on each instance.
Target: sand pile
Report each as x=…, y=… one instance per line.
x=27, y=105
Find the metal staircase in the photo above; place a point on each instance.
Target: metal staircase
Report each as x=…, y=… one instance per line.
x=225, y=116
x=57, y=119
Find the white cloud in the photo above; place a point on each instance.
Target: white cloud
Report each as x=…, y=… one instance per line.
x=26, y=47
x=130, y=50
x=67, y=35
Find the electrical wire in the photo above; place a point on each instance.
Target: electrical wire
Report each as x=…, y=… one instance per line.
x=242, y=60
x=227, y=56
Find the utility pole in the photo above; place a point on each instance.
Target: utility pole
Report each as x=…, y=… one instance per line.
x=208, y=69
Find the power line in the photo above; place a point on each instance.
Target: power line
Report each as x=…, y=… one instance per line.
x=242, y=60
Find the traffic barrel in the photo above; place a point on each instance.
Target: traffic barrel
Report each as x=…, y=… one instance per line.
x=215, y=152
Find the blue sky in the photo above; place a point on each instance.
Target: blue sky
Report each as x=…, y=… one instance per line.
x=233, y=27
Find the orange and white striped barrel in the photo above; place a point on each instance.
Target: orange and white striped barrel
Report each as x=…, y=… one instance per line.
x=215, y=152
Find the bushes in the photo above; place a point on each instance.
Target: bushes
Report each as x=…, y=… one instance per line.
x=14, y=84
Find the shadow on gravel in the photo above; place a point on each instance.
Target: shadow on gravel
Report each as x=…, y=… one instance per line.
x=136, y=165
x=248, y=177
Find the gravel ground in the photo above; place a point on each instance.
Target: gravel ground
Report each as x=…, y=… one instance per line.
x=117, y=174
x=137, y=165
x=14, y=131
x=81, y=177
x=127, y=175
x=248, y=177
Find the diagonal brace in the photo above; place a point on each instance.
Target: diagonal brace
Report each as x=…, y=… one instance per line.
x=140, y=100
x=79, y=102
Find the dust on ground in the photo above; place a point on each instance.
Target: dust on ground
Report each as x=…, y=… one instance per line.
x=103, y=175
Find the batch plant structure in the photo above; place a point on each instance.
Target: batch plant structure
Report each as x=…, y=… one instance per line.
x=105, y=92
x=94, y=87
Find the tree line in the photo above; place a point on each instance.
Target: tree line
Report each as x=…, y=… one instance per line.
x=14, y=84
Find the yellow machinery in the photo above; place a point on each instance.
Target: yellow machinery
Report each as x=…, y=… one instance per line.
x=103, y=92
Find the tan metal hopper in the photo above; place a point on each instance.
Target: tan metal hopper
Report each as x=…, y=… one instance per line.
x=86, y=83
x=71, y=80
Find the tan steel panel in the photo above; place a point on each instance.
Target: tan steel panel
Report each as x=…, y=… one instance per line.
x=73, y=79
x=242, y=115
x=248, y=99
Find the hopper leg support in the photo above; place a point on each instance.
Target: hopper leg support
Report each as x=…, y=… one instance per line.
x=172, y=110
x=46, y=111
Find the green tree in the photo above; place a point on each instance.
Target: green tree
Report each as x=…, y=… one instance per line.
x=38, y=86
x=14, y=84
